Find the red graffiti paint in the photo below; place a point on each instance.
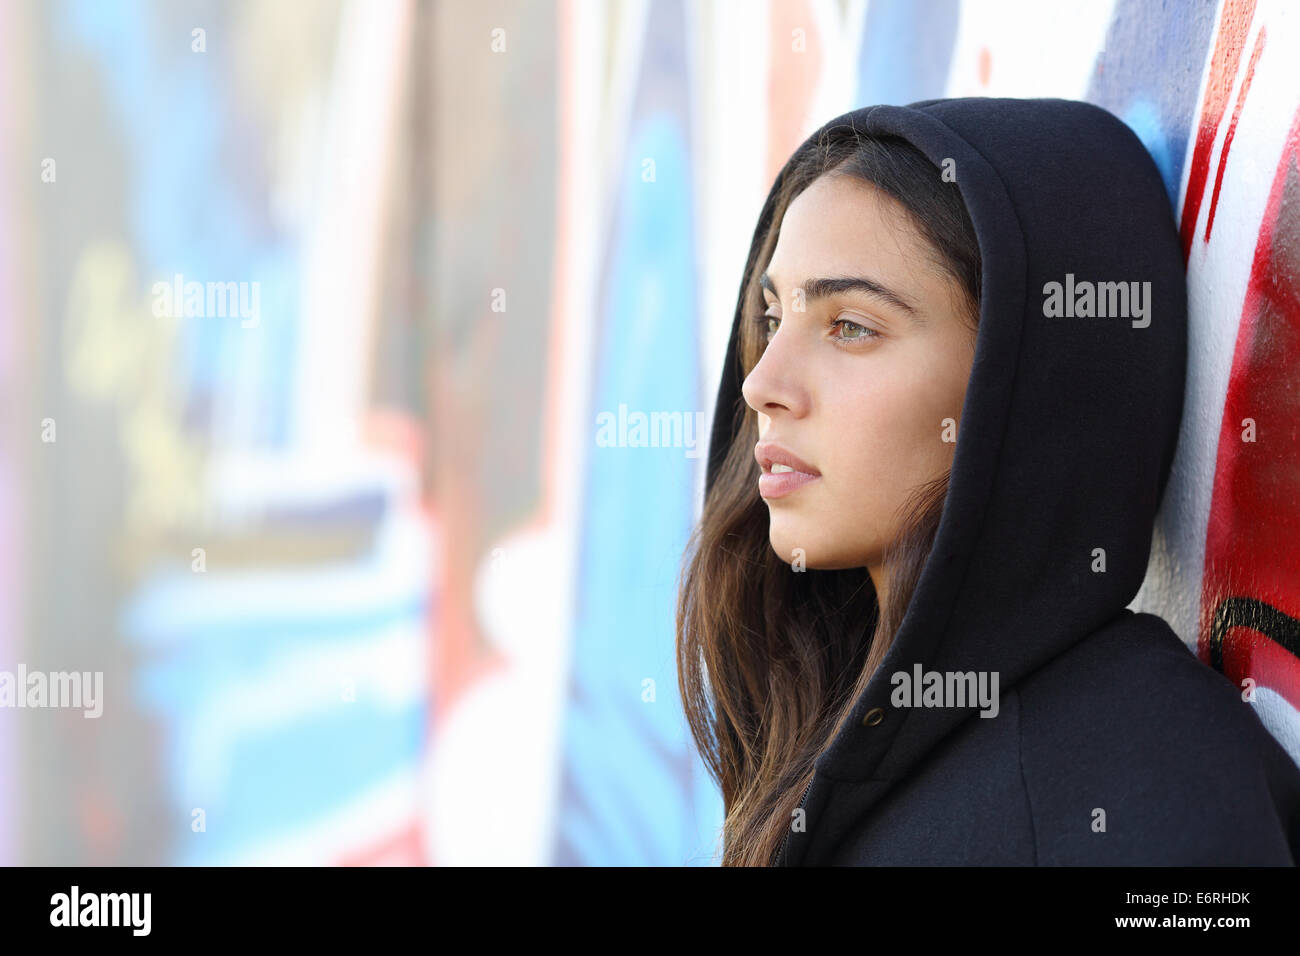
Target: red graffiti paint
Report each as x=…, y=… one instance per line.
x=1234, y=25
x=1232, y=129
x=1250, y=611
x=792, y=81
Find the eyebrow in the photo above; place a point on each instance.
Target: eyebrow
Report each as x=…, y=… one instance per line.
x=822, y=287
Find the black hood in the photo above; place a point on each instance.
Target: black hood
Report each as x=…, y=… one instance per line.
x=1069, y=424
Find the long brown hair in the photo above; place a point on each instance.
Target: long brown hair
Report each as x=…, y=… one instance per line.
x=770, y=662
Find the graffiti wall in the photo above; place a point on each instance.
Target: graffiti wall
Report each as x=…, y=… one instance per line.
x=357, y=360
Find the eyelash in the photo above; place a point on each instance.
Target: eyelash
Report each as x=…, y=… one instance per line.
x=762, y=319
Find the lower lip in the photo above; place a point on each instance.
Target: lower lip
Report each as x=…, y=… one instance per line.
x=781, y=484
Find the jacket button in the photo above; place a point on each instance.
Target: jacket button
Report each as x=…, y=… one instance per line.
x=874, y=716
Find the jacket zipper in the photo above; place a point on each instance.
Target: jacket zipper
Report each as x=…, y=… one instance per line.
x=784, y=843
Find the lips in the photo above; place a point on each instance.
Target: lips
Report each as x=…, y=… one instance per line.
x=783, y=470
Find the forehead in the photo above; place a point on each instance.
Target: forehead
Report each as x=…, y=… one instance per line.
x=842, y=225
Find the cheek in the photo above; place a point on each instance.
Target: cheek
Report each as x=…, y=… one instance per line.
x=879, y=434
x=891, y=434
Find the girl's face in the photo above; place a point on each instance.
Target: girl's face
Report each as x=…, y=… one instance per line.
x=863, y=377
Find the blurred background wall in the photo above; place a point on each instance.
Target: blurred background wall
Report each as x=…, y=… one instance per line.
x=325, y=329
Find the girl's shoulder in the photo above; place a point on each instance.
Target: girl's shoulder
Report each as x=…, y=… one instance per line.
x=1133, y=747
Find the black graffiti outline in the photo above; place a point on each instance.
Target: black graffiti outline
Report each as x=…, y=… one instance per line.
x=1277, y=626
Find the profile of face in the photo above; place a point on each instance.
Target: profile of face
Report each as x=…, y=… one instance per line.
x=860, y=388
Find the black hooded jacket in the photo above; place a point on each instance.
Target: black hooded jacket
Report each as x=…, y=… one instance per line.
x=1112, y=743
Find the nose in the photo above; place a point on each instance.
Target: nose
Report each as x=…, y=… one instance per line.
x=776, y=384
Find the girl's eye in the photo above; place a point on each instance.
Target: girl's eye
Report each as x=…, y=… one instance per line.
x=767, y=325
x=852, y=331
x=849, y=331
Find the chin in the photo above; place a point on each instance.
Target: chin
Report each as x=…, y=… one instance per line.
x=812, y=552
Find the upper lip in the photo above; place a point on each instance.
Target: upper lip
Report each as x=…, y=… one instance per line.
x=769, y=453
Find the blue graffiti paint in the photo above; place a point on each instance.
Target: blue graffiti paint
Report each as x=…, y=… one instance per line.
x=190, y=206
x=906, y=50
x=630, y=778
x=1150, y=85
